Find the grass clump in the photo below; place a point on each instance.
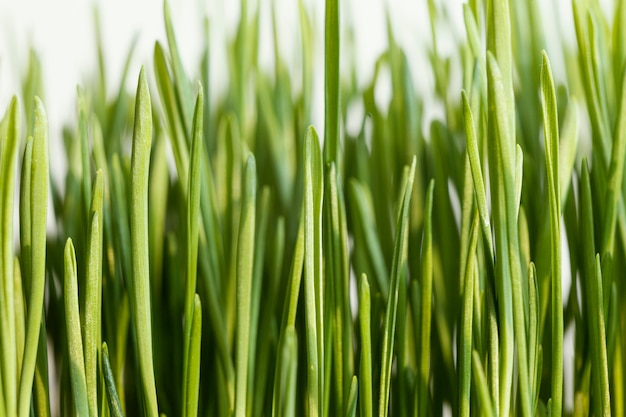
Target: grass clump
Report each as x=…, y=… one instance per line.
x=268, y=272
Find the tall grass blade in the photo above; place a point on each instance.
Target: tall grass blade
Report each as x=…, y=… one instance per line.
x=140, y=298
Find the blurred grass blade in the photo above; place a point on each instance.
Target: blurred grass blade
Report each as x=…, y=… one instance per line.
x=616, y=172
x=352, y=398
x=182, y=85
x=482, y=387
x=426, y=283
x=245, y=260
x=331, y=82
x=397, y=274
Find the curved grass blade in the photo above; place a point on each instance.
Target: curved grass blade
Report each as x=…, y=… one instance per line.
x=245, y=261
x=74, y=338
x=9, y=141
x=39, y=209
x=140, y=298
x=397, y=272
x=551, y=135
x=115, y=407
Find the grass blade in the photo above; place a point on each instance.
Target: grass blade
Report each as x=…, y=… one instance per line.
x=331, y=82
x=426, y=304
x=113, y=399
x=245, y=261
x=313, y=291
x=193, y=210
x=397, y=272
x=551, y=135
x=140, y=299
x=92, y=332
x=193, y=381
x=39, y=208
x=365, y=372
x=466, y=323
x=74, y=338
x=8, y=147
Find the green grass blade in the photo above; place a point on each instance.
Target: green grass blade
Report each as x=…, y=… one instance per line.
x=192, y=219
x=361, y=199
x=284, y=396
x=259, y=346
x=92, y=332
x=113, y=399
x=482, y=387
x=182, y=85
x=174, y=125
x=337, y=273
x=465, y=367
x=397, y=272
x=365, y=368
x=245, y=261
x=477, y=175
x=313, y=290
x=498, y=97
x=74, y=338
x=39, y=207
x=551, y=135
x=331, y=82
x=193, y=381
x=140, y=298
x=353, y=397
x=616, y=171
x=598, y=338
x=9, y=141
x=593, y=297
x=423, y=382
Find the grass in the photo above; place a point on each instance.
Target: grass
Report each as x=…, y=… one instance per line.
x=414, y=267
